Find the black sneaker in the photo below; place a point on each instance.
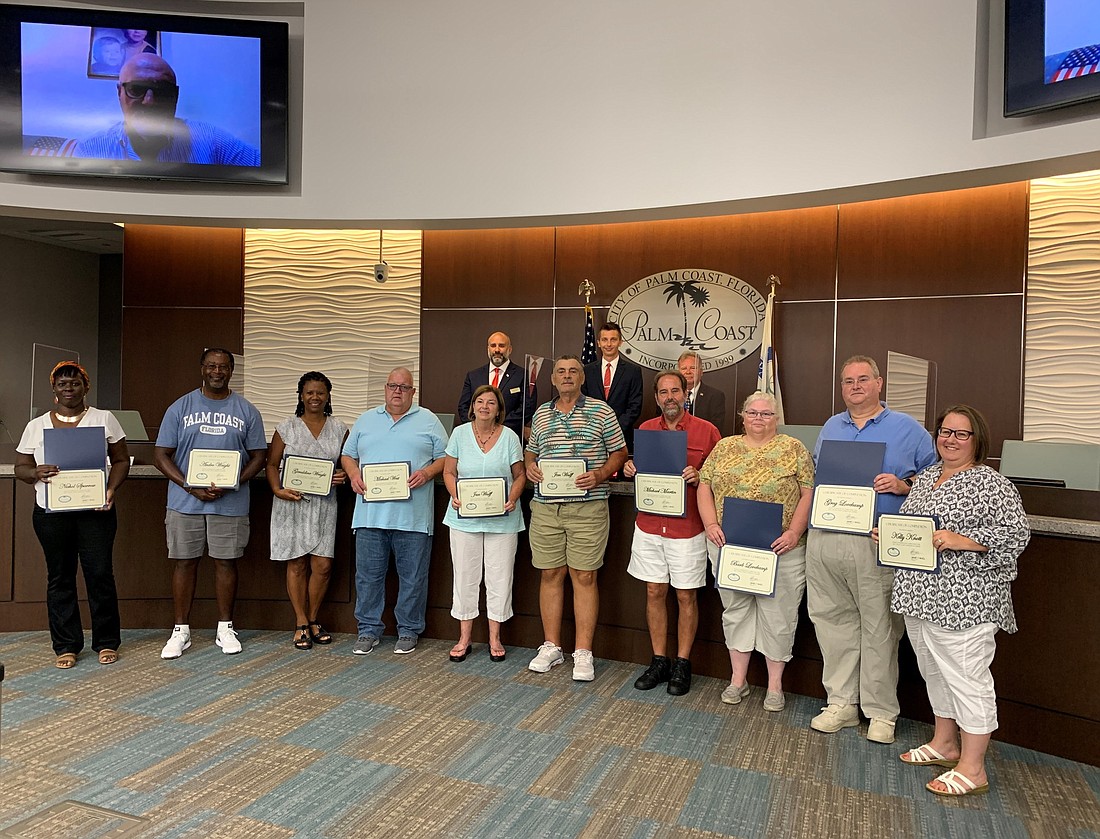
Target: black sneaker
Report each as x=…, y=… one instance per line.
x=655, y=674
x=679, y=680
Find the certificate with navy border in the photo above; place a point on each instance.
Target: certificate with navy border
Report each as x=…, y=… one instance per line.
x=385, y=481
x=662, y=495
x=846, y=509
x=308, y=475
x=906, y=542
x=559, y=477
x=480, y=498
x=77, y=489
x=213, y=467
x=748, y=570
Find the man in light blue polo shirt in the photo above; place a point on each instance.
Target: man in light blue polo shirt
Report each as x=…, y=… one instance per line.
x=395, y=431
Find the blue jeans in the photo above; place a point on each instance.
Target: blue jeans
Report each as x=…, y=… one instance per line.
x=411, y=552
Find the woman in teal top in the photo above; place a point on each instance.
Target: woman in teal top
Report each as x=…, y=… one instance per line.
x=484, y=545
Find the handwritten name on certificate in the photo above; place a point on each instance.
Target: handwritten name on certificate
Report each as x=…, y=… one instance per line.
x=310, y=475
x=559, y=477
x=847, y=509
x=906, y=542
x=77, y=489
x=385, y=481
x=750, y=570
x=662, y=495
x=480, y=497
x=219, y=467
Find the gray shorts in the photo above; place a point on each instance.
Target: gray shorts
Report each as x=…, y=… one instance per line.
x=189, y=535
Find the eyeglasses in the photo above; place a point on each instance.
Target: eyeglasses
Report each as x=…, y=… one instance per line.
x=760, y=414
x=217, y=368
x=139, y=90
x=961, y=436
x=863, y=381
x=394, y=386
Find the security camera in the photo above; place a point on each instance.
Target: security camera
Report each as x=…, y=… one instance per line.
x=381, y=272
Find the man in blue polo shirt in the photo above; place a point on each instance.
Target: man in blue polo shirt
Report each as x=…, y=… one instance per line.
x=847, y=593
x=396, y=431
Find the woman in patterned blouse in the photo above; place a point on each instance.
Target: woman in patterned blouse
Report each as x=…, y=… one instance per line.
x=952, y=615
x=760, y=465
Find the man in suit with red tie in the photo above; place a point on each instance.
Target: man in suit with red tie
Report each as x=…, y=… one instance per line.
x=616, y=381
x=503, y=375
x=702, y=401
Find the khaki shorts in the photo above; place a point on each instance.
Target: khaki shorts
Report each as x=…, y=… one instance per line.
x=189, y=535
x=572, y=534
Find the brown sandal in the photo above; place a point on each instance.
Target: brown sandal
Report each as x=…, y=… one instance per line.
x=65, y=661
x=108, y=656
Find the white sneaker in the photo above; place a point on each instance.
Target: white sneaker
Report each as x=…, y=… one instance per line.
x=180, y=641
x=227, y=638
x=549, y=655
x=835, y=717
x=583, y=671
x=881, y=731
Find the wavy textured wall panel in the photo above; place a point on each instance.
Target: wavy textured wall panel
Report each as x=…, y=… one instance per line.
x=311, y=303
x=1062, y=361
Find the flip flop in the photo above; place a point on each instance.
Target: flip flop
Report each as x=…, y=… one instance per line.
x=957, y=784
x=65, y=661
x=108, y=656
x=927, y=756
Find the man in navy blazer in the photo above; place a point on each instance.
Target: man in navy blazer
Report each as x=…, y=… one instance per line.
x=702, y=401
x=625, y=392
x=508, y=377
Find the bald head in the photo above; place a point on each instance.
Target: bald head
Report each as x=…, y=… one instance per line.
x=147, y=94
x=147, y=66
x=500, y=348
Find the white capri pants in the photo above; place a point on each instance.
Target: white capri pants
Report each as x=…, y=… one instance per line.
x=471, y=555
x=766, y=624
x=955, y=666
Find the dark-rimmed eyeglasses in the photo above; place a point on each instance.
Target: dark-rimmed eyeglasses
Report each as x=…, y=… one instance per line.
x=398, y=388
x=139, y=90
x=760, y=414
x=958, y=434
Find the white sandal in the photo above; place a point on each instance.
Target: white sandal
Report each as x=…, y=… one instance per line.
x=957, y=784
x=927, y=756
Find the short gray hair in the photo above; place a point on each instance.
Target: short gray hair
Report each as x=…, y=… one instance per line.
x=759, y=396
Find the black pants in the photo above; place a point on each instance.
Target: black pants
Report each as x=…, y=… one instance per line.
x=87, y=535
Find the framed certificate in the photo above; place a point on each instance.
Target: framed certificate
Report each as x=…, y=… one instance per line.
x=219, y=467
x=749, y=570
x=480, y=498
x=906, y=542
x=662, y=495
x=309, y=475
x=77, y=489
x=559, y=477
x=849, y=509
x=385, y=481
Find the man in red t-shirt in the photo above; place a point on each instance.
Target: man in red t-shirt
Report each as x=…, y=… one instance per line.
x=672, y=550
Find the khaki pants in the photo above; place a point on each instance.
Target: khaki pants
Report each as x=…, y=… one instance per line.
x=848, y=598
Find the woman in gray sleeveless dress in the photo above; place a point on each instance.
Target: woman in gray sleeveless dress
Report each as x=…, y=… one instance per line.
x=303, y=526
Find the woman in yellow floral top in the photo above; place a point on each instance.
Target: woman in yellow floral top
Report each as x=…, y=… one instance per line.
x=761, y=465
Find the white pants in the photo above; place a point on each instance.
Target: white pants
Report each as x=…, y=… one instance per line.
x=473, y=554
x=955, y=666
x=766, y=624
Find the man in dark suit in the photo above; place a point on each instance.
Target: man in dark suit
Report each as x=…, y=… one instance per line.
x=502, y=374
x=616, y=381
x=704, y=402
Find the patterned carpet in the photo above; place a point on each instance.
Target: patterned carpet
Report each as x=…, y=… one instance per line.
x=277, y=743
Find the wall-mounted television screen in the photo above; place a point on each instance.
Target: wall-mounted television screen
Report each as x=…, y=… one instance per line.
x=139, y=95
x=1052, y=54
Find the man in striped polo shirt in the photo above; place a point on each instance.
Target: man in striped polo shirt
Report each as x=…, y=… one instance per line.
x=569, y=524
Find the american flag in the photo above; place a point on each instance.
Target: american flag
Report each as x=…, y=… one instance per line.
x=1080, y=62
x=52, y=147
x=588, y=354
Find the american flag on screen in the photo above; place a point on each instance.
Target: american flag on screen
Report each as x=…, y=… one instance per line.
x=588, y=354
x=1080, y=62
x=52, y=147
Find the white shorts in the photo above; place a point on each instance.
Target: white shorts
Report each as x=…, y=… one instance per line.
x=658, y=559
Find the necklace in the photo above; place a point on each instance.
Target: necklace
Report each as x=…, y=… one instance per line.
x=71, y=420
x=484, y=442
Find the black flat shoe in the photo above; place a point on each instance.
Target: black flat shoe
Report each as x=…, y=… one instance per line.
x=462, y=657
x=320, y=636
x=494, y=657
x=304, y=641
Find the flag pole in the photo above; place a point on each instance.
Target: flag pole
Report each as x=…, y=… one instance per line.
x=767, y=379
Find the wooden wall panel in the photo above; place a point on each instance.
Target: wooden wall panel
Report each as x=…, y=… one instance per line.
x=488, y=269
x=7, y=513
x=804, y=349
x=183, y=266
x=971, y=241
x=974, y=341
